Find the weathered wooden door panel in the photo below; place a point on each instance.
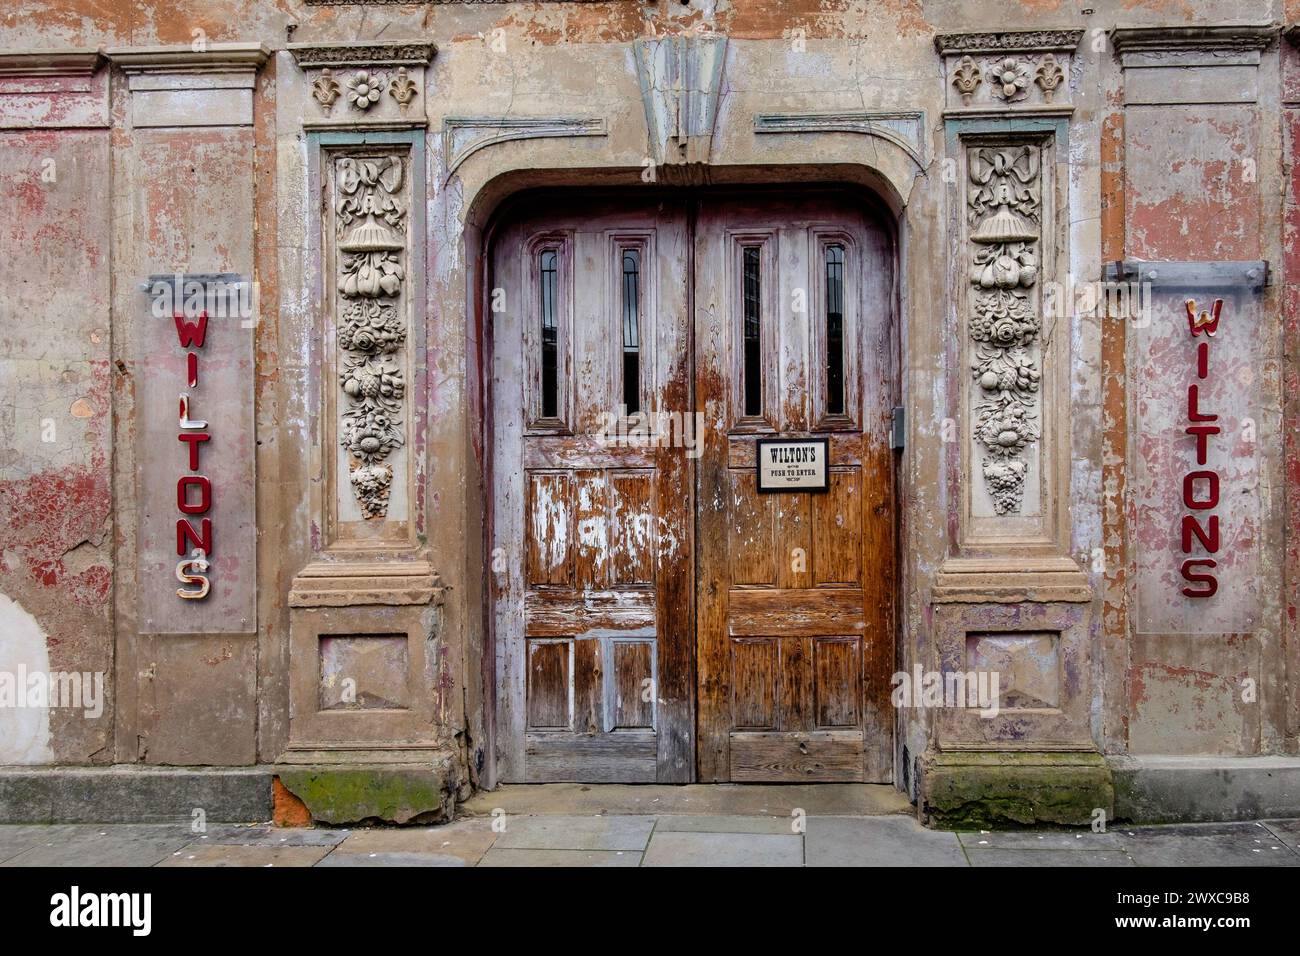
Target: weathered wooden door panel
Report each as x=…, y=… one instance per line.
x=793, y=310
x=635, y=587
x=591, y=527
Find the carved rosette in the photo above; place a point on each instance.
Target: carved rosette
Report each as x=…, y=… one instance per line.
x=371, y=241
x=1004, y=216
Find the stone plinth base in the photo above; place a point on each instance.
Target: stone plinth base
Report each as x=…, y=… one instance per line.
x=971, y=790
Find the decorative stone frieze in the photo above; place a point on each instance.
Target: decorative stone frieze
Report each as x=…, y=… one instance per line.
x=1018, y=41
x=372, y=85
x=994, y=73
x=314, y=55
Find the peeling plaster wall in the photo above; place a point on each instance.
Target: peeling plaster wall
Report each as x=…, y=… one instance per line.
x=56, y=420
x=225, y=700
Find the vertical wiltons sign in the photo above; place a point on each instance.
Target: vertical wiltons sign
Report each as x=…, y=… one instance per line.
x=1194, y=512
x=1199, y=526
x=195, y=450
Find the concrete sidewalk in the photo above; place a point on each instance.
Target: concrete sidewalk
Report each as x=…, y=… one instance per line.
x=697, y=839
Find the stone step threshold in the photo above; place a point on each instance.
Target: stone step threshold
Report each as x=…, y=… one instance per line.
x=731, y=799
x=1148, y=789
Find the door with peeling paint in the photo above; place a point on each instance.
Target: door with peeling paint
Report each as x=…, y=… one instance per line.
x=793, y=338
x=591, y=563
x=655, y=617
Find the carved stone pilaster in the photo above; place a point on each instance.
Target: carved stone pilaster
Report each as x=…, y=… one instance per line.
x=371, y=200
x=1004, y=233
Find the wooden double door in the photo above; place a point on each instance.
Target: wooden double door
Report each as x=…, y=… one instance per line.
x=657, y=617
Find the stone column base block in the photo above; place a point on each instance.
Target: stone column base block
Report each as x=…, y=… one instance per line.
x=387, y=793
x=973, y=790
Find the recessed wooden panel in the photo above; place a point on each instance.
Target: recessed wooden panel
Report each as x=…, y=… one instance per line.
x=823, y=756
x=548, y=685
x=547, y=525
x=588, y=687
x=837, y=682
x=552, y=614
x=837, y=531
x=628, y=757
x=632, y=524
x=793, y=544
x=815, y=611
x=796, y=683
x=591, y=530
x=754, y=670
x=633, y=668
x=749, y=527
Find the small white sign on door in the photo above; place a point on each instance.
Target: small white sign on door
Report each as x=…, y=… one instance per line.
x=793, y=464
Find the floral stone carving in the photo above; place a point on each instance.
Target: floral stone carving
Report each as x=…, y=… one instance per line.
x=326, y=89
x=402, y=88
x=370, y=222
x=1010, y=78
x=1004, y=216
x=966, y=78
x=364, y=89
x=1048, y=76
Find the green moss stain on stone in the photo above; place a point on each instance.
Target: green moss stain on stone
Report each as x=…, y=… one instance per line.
x=986, y=791
x=366, y=794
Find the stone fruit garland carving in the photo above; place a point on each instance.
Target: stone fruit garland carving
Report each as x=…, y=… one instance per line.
x=370, y=224
x=1005, y=220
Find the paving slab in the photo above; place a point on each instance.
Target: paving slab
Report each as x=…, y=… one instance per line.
x=879, y=841
x=1207, y=844
x=556, y=832
x=1288, y=831
x=823, y=799
x=267, y=835
x=669, y=848
x=104, y=845
x=15, y=838
x=1053, y=858
x=391, y=859
x=725, y=824
x=225, y=854
x=464, y=840
x=1081, y=839
x=506, y=856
